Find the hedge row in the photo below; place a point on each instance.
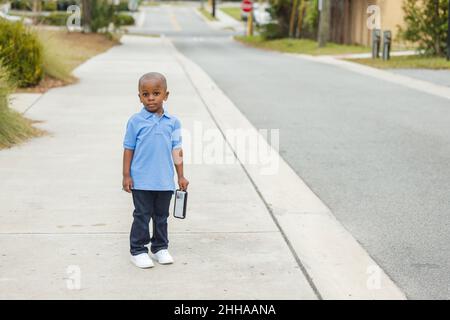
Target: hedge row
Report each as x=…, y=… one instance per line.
x=59, y=5
x=60, y=19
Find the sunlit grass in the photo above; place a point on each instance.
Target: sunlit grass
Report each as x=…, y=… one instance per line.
x=407, y=62
x=302, y=46
x=233, y=12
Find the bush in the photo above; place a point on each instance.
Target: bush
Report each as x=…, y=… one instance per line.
x=54, y=19
x=46, y=5
x=21, y=5
x=123, y=5
x=102, y=14
x=271, y=31
x=49, y=6
x=20, y=53
x=426, y=25
x=280, y=10
x=123, y=19
x=62, y=5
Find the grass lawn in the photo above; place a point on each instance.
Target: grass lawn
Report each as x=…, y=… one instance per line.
x=303, y=46
x=207, y=14
x=407, y=62
x=63, y=52
x=233, y=12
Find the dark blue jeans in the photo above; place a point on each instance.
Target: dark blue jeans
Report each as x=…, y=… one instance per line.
x=148, y=205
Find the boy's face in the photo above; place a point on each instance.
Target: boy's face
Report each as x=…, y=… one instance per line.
x=152, y=93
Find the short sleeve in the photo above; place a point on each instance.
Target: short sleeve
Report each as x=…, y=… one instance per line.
x=176, y=135
x=129, y=141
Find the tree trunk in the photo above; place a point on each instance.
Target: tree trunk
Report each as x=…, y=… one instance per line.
x=437, y=43
x=36, y=10
x=292, y=19
x=87, y=15
x=301, y=13
x=324, y=23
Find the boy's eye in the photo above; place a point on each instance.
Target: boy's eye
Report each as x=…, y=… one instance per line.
x=156, y=93
x=145, y=94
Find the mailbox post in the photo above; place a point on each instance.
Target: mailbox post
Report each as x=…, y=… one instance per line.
x=387, y=40
x=376, y=39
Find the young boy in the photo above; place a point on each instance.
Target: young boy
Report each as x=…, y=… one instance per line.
x=152, y=146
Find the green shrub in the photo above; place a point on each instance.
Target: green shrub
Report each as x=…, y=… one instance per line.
x=102, y=14
x=426, y=25
x=49, y=6
x=21, y=5
x=20, y=53
x=123, y=5
x=271, y=31
x=62, y=5
x=54, y=19
x=123, y=19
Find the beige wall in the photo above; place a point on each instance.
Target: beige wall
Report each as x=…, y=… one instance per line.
x=391, y=17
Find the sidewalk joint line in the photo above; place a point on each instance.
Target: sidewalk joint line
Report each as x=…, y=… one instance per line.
x=34, y=102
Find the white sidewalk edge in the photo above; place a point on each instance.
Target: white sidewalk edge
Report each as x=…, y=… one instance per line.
x=416, y=84
x=335, y=263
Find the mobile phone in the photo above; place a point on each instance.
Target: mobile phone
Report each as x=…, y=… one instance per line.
x=179, y=207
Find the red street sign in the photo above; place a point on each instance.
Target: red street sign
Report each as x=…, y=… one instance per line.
x=246, y=5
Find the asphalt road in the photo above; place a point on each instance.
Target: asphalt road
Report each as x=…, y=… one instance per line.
x=376, y=153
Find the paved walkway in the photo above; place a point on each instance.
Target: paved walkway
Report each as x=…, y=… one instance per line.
x=64, y=217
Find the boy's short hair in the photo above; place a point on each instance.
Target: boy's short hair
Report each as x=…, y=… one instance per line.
x=153, y=76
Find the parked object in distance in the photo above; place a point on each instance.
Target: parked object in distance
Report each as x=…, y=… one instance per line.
x=261, y=15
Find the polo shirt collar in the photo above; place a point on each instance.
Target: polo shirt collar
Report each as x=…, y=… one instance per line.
x=147, y=114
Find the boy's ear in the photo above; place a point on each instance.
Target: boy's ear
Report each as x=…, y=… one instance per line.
x=167, y=95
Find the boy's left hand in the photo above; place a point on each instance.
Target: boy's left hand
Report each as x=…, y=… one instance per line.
x=183, y=183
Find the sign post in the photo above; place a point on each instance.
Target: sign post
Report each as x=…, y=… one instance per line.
x=247, y=6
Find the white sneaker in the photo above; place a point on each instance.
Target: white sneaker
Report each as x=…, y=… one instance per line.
x=163, y=257
x=142, y=261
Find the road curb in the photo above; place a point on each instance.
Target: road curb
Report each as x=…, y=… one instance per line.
x=334, y=262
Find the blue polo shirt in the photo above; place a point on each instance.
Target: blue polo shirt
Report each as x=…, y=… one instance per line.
x=152, y=138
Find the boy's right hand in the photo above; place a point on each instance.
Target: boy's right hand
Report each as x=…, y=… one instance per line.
x=127, y=184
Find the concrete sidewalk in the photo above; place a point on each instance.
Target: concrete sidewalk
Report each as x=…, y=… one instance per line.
x=64, y=217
